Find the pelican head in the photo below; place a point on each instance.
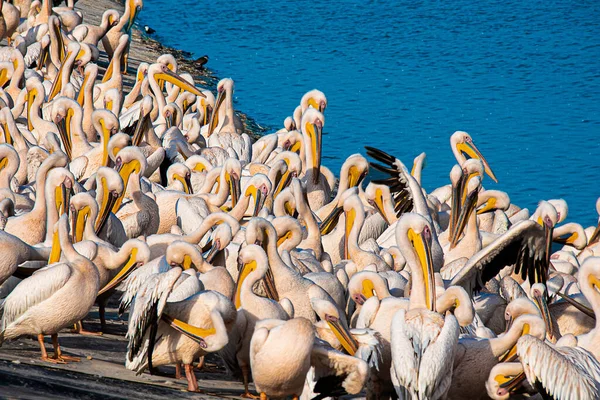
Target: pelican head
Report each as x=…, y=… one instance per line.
x=259, y=186
x=109, y=187
x=60, y=182
x=527, y=324
x=158, y=71
x=252, y=258
x=489, y=200
x=561, y=207
x=414, y=238
x=328, y=312
x=289, y=232
x=462, y=145
x=145, y=121
x=503, y=379
x=220, y=238
x=138, y=254
x=180, y=172
x=183, y=254
x=379, y=197
x=128, y=160
x=330, y=222
x=197, y=163
x=224, y=92
x=135, y=6
x=293, y=168
x=312, y=130
x=172, y=114
x=354, y=170
x=539, y=294
x=83, y=208
x=365, y=284
x=315, y=99
x=110, y=18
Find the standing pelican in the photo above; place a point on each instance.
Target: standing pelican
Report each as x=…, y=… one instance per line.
x=423, y=341
x=52, y=298
x=317, y=187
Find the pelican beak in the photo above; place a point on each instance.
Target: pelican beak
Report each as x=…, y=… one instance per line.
x=457, y=195
x=330, y=222
x=143, y=124
x=315, y=132
x=566, y=240
x=465, y=213
x=125, y=171
x=355, y=177
x=290, y=210
x=42, y=58
x=78, y=222
x=508, y=384
x=540, y=301
x=57, y=84
x=176, y=80
x=129, y=266
x=3, y=77
x=368, y=290
x=214, y=249
x=234, y=188
x=422, y=245
x=342, y=334
x=31, y=95
x=81, y=95
x=472, y=151
x=214, y=118
x=350, y=218
x=64, y=131
x=586, y=310
x=7, y=136
x=169, y=120
x=187, y=262
x=596, y=235
x=548, y=230
x=245, y=271
x=259, y=199
x=487, y=206
x=317, y=106
x=283, y=181
x=377, y=203
x=270, y=288
x=108, y=201
x=185, y=181
x=61, y=42
x=511, y=355
x=62, y=197
x=193, y=332
x=55, y=250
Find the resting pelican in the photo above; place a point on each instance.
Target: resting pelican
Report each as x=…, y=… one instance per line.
x=251, y=308
x=224, y=127
x=162, y=332
x=110, y=41
x=469, y=382
x=423, y=341
x=52, y=299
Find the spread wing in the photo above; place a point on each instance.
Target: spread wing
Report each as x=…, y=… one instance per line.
x=33, y=291
x=523, y=245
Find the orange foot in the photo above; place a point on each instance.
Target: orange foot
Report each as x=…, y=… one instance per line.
x=66, y=358
x=249, y=395
x=53, y=360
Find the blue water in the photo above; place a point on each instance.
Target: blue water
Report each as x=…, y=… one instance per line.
x=523, y=78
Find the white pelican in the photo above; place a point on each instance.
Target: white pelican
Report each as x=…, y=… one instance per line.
x=52, y=298
x=317, y=187
x=423, y=341
x=462, y=144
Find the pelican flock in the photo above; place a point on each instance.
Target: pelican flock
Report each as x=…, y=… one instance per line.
x=250, y=250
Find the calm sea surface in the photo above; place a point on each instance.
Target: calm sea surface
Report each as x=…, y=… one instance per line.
x=523, y=78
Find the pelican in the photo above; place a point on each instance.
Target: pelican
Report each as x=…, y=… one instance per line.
x=110, y=41
x=462, y=144
x=186, y=329
x=423, y=341
x=52, y=299
x=318, y=189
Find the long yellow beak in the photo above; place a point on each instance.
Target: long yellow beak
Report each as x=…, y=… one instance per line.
x=472, y=151
x=422, y=245
x=125, y=171
x=511, y=355
x=540, y=301
x=214, y=118
x=246, y=270
x=342, y=334
x=193, y=332
x=465, y=213
x=315, y=133
x=178, y=81
x=108, y=201
x=330, y=222
x=129, y=266
x=350, y=218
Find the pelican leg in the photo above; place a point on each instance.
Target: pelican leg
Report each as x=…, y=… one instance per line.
x=247, y=394
x=191, y=378
x=178, y=371
x=200, y=363
x=102, y=314
x=58, y=355
x=79, y=329
x=45, y=354
x=126, y=61
x=263, y=396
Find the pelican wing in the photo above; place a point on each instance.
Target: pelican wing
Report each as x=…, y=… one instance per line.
x=523, y=245
x=147, y=308
x=186, y=286
x=136, y=279
x=337, y=373
x=370, y=348
x=128, y=119
x=34, y=290
x=398, y=180
x=563, y=373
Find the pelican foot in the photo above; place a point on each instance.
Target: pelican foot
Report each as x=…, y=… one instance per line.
x=78, y=328
x=53, y=360
x=66, y=358
x=249, y=395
